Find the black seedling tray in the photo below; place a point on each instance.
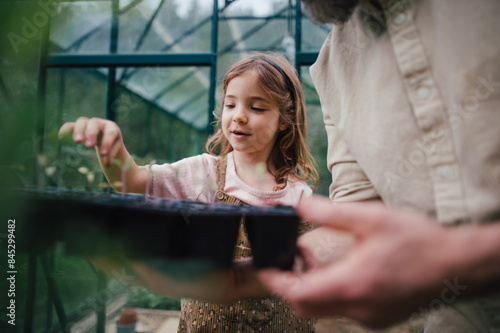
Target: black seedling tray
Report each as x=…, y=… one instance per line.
x=153, y=229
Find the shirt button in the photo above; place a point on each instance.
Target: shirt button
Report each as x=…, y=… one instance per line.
x=445, y=172
x=399, y=18
x=423, y=92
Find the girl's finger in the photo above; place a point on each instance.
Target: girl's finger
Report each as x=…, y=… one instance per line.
x=79, y=129
x=115, y=148
x=110, y=135
x=66, y=128
x=92, y=131
x=281, y=283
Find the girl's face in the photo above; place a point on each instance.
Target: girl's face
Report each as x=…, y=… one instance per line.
x=250, y=119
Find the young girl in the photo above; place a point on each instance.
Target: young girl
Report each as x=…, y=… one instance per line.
x=258, y=156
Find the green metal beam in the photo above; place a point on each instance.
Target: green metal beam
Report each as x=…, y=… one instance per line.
x=130, y=60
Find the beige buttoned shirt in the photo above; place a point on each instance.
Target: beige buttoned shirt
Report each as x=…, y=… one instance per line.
x=412, y=108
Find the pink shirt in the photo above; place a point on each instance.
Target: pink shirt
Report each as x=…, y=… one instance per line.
x=195, y=178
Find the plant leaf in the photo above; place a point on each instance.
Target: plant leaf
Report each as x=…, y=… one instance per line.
x=42, y=160
x=127, y=164
x=49, y=171
x=117, y=184
x=117, y=162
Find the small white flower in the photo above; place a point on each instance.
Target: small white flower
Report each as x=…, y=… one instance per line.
x=49, y=171
x=42, y=160
x=90, y=177
x=83, y=170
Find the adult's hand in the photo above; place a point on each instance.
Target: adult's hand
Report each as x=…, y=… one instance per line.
x=397, y=263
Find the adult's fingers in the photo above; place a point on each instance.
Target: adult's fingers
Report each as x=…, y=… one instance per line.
x=320, y=292
x=357, y=218
x=282, y=283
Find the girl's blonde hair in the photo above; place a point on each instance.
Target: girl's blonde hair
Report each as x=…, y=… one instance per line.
x=290, y=155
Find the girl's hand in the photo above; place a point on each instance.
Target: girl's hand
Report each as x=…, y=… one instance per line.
x=222, y=286
x=103, y=134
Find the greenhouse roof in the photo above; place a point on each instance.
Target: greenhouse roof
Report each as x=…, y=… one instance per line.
x=147, y=41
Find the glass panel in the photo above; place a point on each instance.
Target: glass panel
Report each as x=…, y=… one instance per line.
x=171, y=139
x=154, y=26
x=240, y=33
x=81, y=27
x=148, y=26
x=71, y=93
x=18, y=98
x=163, y=112
x=76, y=283
x=42, y=315
x=313, y=35
x=316, y=133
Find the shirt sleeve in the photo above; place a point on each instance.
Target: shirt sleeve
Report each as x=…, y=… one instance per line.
x=192, y=178
x=349, y=182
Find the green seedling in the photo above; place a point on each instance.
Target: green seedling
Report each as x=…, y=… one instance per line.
x=150, y=179
x=124, y=168
x=89, y=175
